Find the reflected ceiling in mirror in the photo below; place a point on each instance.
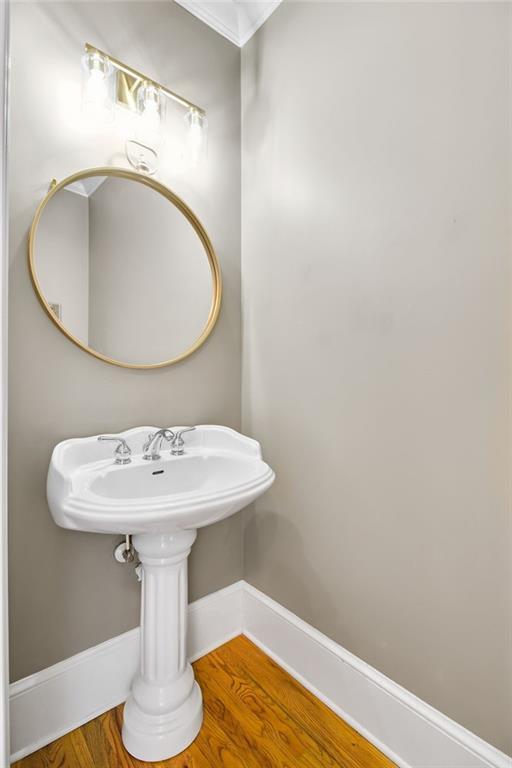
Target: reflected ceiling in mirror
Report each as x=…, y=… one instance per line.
x=124, y=268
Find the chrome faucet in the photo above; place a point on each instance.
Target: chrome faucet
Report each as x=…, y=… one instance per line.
x=177, y=442
x=152, y=446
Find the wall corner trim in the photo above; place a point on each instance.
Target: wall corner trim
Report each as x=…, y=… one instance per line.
x=413, y=734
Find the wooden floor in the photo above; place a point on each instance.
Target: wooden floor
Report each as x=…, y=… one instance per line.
x=255, y=716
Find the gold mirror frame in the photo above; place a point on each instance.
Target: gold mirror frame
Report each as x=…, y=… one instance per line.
x=185, y=210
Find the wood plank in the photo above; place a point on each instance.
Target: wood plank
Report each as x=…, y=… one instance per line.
x=309, y=713
x=104, y=741
x=218, y=705
x=217, y=749
x=262, y=718
x=69, y=750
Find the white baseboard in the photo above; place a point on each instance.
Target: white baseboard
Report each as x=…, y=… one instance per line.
x=56, y=700
x=406, y=729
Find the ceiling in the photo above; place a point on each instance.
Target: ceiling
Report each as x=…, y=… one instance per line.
x=237, y=20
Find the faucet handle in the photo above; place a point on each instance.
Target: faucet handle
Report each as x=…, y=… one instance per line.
x=122, y=452
x=178, y=444
x=148, y=442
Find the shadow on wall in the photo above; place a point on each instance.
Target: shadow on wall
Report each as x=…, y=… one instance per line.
x=257, y=110
x=264, y=533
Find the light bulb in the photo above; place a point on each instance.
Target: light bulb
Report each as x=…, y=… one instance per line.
x=97, y=87
x=150, y=108
x=197, y=133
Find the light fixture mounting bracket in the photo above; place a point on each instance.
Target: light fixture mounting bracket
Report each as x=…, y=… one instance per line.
x=126, y=89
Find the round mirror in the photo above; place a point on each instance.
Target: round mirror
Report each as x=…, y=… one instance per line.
x=124, y=268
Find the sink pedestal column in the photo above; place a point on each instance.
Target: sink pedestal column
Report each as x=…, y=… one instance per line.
x=164, y=711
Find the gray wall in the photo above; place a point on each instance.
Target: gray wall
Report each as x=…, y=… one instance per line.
x=67, y=593
x=376, y=273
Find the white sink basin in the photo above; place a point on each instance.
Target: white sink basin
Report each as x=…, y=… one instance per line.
x=162, y=503
x=220, y=473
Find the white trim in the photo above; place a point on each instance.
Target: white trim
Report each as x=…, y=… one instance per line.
x=235, y=20
x=406, y=729
x=214, y=20
x=58, y=699
x=4, y=642
x=411, y=733
x=267, y=9
x=50, y=703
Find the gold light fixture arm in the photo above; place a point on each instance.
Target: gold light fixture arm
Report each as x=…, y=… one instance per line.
x=127, y=86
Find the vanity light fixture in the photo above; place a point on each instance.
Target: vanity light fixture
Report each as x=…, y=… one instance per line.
x=107, y=82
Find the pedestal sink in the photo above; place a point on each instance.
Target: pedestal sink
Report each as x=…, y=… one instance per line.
x=162, y=503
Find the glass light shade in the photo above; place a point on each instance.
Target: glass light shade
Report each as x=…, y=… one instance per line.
x=97, y=87
x=196, y=138
x=150, y=110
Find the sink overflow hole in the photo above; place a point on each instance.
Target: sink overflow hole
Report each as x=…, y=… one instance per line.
x=158, y=472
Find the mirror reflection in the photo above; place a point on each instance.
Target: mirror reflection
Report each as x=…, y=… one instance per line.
x=124, y=270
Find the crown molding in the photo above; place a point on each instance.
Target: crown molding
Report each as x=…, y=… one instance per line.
x=237, y=20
